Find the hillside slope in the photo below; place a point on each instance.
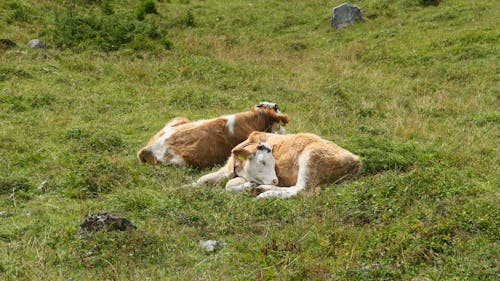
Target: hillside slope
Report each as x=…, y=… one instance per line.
x=413, y=90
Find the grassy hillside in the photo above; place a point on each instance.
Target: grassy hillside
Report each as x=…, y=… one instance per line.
x=413, y=90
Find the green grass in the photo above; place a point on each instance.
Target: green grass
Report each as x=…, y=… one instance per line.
x=413, y=90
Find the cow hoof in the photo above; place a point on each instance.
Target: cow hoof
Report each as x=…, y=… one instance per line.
x=269, y=193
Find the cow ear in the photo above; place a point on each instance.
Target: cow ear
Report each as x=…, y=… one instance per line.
x=241, y=153
x=282, y=119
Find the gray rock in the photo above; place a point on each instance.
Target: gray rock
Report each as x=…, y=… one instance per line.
x=346, y=14
x=36, y=43
x=105, y=221
x=211, y=245
x=3, y=214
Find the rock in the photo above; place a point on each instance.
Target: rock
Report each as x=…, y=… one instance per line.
x=36, y=43
x=42, y=187
x=6, y=44
x=211, y=245
x=105, y=221
x=3, y=214
x=345, y=14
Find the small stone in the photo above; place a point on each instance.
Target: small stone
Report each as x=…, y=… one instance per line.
x=3, y=214
x=42, y=187
x=346, y=14
x=6, y=44
x=211, y=245
x=36, y=43
x=107, y=222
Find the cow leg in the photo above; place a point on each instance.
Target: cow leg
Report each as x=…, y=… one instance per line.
x=238, y=184
x=286, y=192
x=282, y=192
x=214, y=177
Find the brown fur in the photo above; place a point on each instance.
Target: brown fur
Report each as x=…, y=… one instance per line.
x=327, y=161
x=209, y=142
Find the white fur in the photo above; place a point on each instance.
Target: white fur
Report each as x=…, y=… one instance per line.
x=269, y=104
x=176, y=159
x=239, y=184
x=199, y=122
x=212, y=177
x=231, y=120
x=158, y=148
x=286, y=192
x=259, y=168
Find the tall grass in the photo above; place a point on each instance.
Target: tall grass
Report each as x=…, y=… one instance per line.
x=413, y=90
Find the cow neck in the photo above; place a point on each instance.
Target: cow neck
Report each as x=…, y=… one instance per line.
x=267, y=123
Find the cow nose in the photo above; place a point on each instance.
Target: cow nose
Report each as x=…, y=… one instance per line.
x=275, y=182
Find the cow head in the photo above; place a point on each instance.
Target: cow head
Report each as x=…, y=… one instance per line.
x=255, y=162
x=271, y=105
x=156, y=150
x=277, y=119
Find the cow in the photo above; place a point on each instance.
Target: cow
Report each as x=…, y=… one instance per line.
x=204, y=143
x=295, y=161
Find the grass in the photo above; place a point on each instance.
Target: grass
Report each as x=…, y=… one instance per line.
x=413, y=90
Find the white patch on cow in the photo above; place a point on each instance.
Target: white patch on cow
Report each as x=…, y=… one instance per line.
x=269, y=104
x=176, y=159
x=260, y=167
x=212, y=177
x=239, y=184
x=231, y=120
x=287, y=192
x=304, y=163
x=199, y=122
x=159, y=148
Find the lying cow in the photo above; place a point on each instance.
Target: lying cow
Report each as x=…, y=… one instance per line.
x=206, y=142
x=296, y=161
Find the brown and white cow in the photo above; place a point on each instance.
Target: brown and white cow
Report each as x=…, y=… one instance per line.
x=295, y=161
x=206, y=142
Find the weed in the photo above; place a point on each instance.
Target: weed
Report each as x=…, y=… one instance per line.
x=382, y=154
x=189, y=20
x=429, y=2
x=280, y=255
x=107, y=8
x=21, y=13
x=167, y=44
x=76, y=133
x=197, y=99
x=96, y=175
x=413, y=91
x=108, y=33
x=103, y=247
x=7, y=73
x=10, y=185
x=146, y=7
x=298, y=46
